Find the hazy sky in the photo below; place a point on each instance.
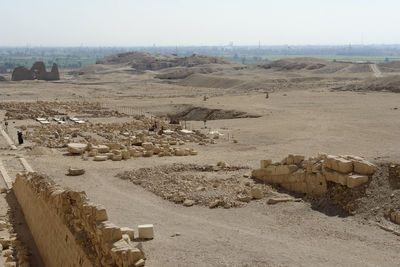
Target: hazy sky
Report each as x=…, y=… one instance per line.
x=197, y=22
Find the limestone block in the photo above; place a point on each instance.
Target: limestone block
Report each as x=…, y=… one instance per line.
x=139, y=263
x=110, y=232
x=179, y=152
x=316, y=184
x=156, y=150
x=76, y=148
x=356, y=180
x=148, y=146
x=93, y=153
x=100, y=158
x=265, y=163
x=148, y=153
x=223, y=164
x=146, y=231
x=338, y=164
x=101, y=213
x=116, y=157
x=116, y=152
x=102, y=148
x=75, y=171
x=137, y=154
x=364, y=167
x=334, y=176
x=126, y=154
x=128, y=231
x=109, y=155
x=193, y=152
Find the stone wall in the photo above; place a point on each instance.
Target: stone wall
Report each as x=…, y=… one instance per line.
x=68, y=229
x=296, y=174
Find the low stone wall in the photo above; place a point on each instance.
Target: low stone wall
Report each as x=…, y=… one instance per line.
x=296, y=174
x=70, y=231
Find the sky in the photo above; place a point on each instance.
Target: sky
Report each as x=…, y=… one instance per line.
x=198, y=22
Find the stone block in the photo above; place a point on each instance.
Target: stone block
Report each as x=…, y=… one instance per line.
x=148, y=146
x=356, y=180
x=101, y=148
x=116, y=157
x=281, y=169
x=256, y=193
x=76, y=148
x=110, y=232
x=100, y=158
x=148, y=153
x=338, y=164
x=76, y=171
x=126, y=154
x=128, y=231
x=146, y=231
x=316, y=184
x=334, y=176
x=364, y=167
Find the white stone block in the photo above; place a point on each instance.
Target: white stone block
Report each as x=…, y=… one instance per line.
x=146, y=231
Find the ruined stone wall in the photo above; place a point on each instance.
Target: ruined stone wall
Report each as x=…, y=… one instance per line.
x=70, y=231
x=296, y=174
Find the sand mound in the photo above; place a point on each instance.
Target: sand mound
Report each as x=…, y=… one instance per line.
x=146, y=61
x=390, y=84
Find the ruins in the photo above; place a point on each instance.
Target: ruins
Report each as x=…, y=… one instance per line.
x=37, y=72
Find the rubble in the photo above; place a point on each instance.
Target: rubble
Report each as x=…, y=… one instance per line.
x=296, y=174
x=191, y=184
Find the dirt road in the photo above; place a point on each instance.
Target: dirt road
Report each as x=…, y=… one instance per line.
x=375, y=70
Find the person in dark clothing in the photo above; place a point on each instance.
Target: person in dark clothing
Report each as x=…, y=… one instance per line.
x=20, y=139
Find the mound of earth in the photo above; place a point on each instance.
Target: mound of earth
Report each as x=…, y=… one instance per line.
x=191, y=184
x=192, y=113
x=390, y=84
x=314, y=65
x=390, y=66
x=146, y=61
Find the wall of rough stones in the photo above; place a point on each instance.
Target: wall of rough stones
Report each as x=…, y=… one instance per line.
x=310, y=176
x=68, y=229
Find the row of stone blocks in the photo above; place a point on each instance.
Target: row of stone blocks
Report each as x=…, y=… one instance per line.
x=117, y=152
x=393, y=215
x=71, y=231
x=295, y=173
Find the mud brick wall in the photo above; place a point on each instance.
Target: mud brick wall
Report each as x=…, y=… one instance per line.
x=68, y=229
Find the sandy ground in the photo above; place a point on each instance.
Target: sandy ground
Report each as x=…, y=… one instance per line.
x=301, y=118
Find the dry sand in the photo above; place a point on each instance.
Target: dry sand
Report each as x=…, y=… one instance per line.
x=302, y=115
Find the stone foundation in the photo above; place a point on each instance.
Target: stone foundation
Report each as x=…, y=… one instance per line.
x=70, y=231
x=296, y=174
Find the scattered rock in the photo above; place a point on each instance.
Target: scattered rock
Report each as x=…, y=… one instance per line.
x=75, y=171
x=188, y=203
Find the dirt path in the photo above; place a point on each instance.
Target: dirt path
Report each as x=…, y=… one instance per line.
x=376, y=71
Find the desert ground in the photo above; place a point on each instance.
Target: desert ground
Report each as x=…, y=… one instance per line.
x=313, y=106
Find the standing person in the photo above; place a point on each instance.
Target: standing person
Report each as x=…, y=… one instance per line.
x=20, y=138
x=6, y=124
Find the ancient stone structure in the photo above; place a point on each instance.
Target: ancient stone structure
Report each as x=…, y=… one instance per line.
x=38, y=71
x=21, y=73
x=69, y=230
x=296, y=174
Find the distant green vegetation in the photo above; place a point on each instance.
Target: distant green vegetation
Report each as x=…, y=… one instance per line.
x=76, y=57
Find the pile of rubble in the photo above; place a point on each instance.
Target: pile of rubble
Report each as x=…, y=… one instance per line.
x=295, y=173
x=33, y=110
x=214, y=186
x=116, y=141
